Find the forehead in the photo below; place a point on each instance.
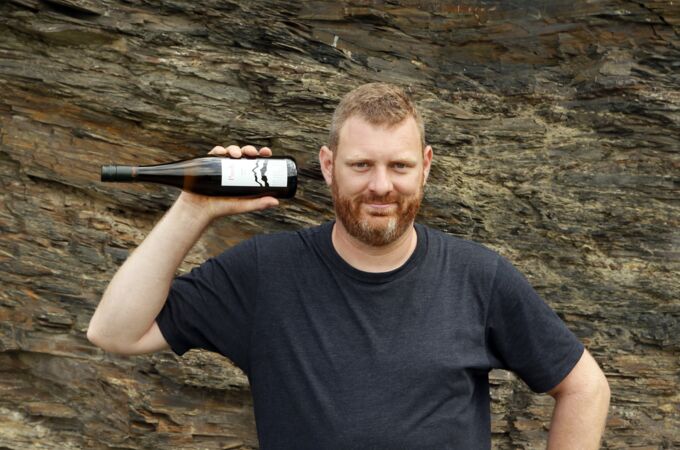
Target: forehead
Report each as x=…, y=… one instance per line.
x=359, y=138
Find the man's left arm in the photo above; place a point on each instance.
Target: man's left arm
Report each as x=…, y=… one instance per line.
x=581, y=406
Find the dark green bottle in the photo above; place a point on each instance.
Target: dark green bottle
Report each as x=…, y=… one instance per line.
x=275, y=176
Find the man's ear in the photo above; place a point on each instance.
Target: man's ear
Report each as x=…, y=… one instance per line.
x=427, y=162
x=326, y=163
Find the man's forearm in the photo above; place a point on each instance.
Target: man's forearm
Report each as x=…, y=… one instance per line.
x=138, y=291
x=579, y=419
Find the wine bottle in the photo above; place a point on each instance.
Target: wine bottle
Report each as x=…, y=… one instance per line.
x=216, y=176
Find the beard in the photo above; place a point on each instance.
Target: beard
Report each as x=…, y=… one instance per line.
x=377, y=228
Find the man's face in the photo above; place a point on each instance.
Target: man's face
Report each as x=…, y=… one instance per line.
x=378, y=175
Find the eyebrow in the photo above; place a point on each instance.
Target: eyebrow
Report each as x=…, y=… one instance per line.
x=406, y=161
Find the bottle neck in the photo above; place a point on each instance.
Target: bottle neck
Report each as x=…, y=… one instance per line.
x=119, y=173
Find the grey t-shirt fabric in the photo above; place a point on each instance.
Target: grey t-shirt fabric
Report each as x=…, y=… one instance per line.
x=338, y=358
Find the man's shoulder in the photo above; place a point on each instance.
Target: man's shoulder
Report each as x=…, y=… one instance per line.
x=281, y=248
x=444, y=243
x=294, y=240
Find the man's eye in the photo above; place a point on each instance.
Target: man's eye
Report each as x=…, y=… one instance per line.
x=360, y=165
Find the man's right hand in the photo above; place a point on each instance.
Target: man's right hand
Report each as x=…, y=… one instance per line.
x=210, y=208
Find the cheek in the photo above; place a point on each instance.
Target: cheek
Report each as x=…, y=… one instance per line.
x=351, y=184
x=408, y=184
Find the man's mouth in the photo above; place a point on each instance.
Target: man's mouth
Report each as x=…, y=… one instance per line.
x=380, y=208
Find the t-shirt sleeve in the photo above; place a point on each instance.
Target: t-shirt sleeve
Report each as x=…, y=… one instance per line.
x=212, y=306
x=525, y=335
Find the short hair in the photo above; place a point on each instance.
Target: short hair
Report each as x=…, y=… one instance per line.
x=378, y=104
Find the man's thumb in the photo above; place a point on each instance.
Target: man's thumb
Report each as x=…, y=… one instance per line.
x=266, y=202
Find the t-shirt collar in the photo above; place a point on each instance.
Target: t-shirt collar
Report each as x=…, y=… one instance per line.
x=325, y=243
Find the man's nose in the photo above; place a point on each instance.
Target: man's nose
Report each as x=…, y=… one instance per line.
x=381, y=183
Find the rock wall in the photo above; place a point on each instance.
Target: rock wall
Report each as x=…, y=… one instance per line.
x=555, y=126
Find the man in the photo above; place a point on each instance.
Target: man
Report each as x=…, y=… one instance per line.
x=369, y=331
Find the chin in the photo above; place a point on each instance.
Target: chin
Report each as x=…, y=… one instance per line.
x=378, y=234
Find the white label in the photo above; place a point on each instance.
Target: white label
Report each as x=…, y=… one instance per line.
x=255, y=172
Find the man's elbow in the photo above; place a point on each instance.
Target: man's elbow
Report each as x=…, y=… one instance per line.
x=605, y=386
x=597, y=392
x=599, y=387
x=124, y=344
x=605, y=391
x=97, y=338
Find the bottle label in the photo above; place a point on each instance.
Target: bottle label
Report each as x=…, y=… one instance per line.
x=254, y=172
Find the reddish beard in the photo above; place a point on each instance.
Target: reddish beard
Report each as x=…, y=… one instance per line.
x=378, y=228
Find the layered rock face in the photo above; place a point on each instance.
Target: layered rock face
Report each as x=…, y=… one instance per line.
x=555, y=127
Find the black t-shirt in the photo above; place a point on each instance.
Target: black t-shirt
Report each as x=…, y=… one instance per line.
x=339, y=358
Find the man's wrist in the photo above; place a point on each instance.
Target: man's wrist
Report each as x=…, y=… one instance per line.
x=191, y=210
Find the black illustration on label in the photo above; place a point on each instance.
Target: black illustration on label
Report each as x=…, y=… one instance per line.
x=260, y=173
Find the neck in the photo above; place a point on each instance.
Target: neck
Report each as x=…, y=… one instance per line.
x=370, y=258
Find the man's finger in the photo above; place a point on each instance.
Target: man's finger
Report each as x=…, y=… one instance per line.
x=265, y=151
x=255, y=204
x=266, y=202
x=217, y=150
x=234, y=151
x=249, y=150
